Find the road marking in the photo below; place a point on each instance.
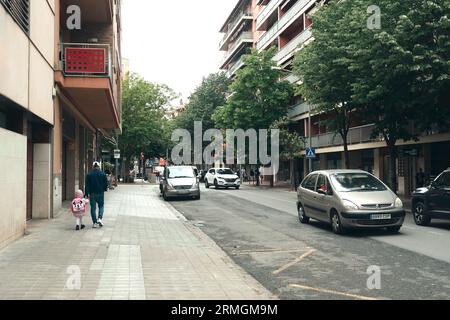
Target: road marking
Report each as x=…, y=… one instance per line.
x=344, y=294
x=244, y=252
x=290, y=264
x=435, y=233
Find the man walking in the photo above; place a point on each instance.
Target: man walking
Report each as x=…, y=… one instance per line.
x=96, y=186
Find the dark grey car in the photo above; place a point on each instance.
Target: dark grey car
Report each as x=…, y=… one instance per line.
x=349, y=199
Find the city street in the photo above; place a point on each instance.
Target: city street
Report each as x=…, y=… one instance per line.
x=259, y=229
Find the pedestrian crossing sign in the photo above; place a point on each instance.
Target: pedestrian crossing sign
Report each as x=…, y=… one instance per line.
x=310, y=153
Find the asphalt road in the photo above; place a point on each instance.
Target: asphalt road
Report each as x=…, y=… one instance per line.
x=259, y=229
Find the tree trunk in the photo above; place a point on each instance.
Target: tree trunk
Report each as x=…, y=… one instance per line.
x=344, y=136
x=392, y=165
x=292, y=171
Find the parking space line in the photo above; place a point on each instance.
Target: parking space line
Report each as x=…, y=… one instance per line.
x=290, y=264
x=344, y=294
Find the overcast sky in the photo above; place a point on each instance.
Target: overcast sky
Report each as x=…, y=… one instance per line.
x=174, y=42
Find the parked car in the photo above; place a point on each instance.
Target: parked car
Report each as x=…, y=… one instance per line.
x=432, y=201
x=349, y=199
x=222, y=178
x=180, y=181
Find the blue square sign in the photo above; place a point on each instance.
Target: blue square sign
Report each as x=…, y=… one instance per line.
x=311, y=153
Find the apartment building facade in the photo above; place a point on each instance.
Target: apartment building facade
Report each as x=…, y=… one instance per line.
x=59, y=95
x=239, y=35
x=88, y=77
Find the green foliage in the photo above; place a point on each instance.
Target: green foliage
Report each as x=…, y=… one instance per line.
x=291, y=143
x=258, y=97
x=210, y=95
x=144, y=124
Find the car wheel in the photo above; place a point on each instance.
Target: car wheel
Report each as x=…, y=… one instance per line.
x=302, y=215
x=237, y=188
x=206, y=184
x=216, y=184
x=165, y=197
x=395, y=229
x=198, y=197
x=336, y=223
x=420, y=216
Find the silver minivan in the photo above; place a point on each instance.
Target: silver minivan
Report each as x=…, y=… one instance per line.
x=349, y=199
x=180, y=181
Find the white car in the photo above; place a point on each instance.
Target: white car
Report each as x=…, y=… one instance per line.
x=222, y=178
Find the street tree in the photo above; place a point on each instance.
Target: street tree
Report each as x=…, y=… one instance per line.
x=291, y=145
x=143, y=121
x=258, y=97
x=207, y=97
x=323, y=67
x=402, y=69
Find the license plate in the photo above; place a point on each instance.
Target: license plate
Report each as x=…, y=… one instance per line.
x=380, y=217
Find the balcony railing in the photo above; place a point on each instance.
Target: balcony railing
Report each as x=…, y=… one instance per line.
x=267, y=11
x=293, y=45
x=356, y=135
x=232, y=25
x=235, y=67
x=289, y=16
x=292, y=78
x=244, y=37
x=298, y=109
x=85, y=60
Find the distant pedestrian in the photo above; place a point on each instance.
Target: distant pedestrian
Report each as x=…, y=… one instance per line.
x=78, y=208
x=96, y=186
x=420, y=179
x=257, y=176
x=252, y=175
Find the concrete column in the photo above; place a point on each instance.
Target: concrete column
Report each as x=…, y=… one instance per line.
x=323, y=161
x=42, y=181
x=377, y=163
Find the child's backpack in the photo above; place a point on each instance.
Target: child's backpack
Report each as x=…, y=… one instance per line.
x=78, y=205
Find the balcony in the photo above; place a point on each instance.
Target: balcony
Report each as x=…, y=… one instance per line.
x=291, y=78
x=85, y=75
x=235, y=67
x=233, y=26
x=298, y=110
x=93, y=12
x=285, y=21
x=289, y=50
x=268, y=10
x=356, y=135
x=245, y=37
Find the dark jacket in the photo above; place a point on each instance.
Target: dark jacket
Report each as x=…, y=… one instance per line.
x=96, y=182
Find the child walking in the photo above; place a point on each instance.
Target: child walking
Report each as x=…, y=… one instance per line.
x=78, y=208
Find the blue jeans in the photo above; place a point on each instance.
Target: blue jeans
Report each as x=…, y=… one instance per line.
x=97, y=198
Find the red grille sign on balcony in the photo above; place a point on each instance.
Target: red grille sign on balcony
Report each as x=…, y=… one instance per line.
x=85, y=60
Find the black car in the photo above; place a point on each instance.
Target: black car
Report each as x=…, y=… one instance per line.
x=432, y=201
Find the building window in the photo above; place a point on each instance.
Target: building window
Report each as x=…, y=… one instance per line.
x=19, y=11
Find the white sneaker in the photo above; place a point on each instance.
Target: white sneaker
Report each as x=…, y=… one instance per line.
x=100, y=223
x=95, y=226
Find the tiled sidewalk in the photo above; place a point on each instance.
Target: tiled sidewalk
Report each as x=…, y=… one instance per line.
x=145, y=251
